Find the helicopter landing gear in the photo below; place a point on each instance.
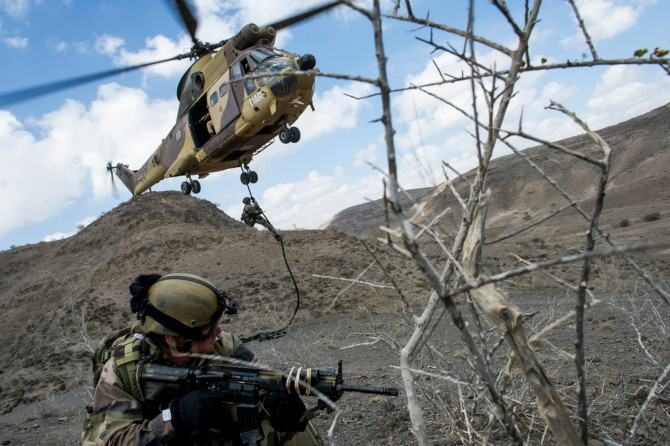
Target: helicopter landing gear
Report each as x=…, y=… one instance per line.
x=190, y=186
x=289, y=134
x=248, y=176
x=195, y=186
x=295, y=134
x=186, y=188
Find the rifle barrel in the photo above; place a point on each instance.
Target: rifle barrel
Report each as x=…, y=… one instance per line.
x=392, y=391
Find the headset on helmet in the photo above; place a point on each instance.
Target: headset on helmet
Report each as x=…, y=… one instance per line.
x=246, y=200
x=178, y=304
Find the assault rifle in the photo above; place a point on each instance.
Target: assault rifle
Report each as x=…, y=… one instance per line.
x=241, y=386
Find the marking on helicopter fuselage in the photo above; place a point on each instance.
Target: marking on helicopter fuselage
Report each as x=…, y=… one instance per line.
x=256, y=98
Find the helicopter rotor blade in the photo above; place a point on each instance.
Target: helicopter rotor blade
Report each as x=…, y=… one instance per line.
x=25, y=94
x=186, y=16
x=304, y=16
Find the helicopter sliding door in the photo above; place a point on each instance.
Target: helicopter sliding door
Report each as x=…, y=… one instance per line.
x=198, y=116
x=231, y=109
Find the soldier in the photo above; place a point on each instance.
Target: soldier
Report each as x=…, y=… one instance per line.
x=252, y=214
x=179, y=314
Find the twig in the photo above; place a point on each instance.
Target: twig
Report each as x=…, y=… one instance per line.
x=645, y=406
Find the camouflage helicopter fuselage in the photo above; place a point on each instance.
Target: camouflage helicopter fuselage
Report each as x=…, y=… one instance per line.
x=249, y=93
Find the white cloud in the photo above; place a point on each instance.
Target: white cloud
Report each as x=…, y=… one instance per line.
x=61, y=235
x=216, y=21
x=606, y=18
x=366, y=155
x=17, y=42
x=15, y=8
x=70, y=155
x=335, y=110
x=424, y=166
x=157, y=48
x=624, y=92
x=108, y=45
x=312, y=201
x=61, y=46
x=263, y=12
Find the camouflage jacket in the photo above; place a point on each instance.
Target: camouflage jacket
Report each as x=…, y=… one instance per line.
x=118, y=415
x=251, y=211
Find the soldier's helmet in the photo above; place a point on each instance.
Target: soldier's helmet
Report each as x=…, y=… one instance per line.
x=182, y=305
x=246, y=200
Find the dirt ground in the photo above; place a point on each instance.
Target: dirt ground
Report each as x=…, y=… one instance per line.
x=622, y=367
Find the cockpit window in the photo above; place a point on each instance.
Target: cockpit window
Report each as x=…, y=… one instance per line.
x=272, y=66
x=261, y=60
x=259, y=55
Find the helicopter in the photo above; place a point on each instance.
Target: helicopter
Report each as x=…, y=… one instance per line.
x=235, y=98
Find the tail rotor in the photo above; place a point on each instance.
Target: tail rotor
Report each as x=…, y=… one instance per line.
x=110, y=169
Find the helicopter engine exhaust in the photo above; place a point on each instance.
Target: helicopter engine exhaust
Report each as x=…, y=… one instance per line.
x=267, y=36
x=246, y=37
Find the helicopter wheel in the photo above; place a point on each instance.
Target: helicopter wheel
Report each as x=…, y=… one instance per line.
x=253, y=177
x=245, y=178
x=195, y=185
x=285, y=135
x=295, y=134
x=186, y=188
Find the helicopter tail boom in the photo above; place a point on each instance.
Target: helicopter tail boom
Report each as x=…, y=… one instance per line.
x=126, y=176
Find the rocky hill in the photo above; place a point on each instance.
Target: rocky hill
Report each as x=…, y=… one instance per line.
x=59, y=298
x=639, y=184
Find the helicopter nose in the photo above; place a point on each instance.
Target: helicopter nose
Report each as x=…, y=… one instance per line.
x=306, y=62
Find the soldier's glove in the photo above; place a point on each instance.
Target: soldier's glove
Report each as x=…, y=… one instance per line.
x=197, y=410
x=287, y=412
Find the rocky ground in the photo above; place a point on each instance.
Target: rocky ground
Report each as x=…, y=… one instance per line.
x=622, y=367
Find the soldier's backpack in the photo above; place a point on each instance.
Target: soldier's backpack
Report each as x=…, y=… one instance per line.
x=104, y=351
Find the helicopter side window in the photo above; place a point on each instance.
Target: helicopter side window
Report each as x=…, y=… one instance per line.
x=237, y=71
x=223, y=89
x=246, y=68
x=243, y=67
x=213, y=99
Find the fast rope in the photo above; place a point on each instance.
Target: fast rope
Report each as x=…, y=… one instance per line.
x=264, y=336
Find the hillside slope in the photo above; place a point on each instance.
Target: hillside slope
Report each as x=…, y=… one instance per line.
x=59, y=298
x=639, y=184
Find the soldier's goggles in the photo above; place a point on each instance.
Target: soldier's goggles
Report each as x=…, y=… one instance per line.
x=210, y=333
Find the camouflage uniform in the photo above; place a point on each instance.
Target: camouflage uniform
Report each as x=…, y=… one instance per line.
x=252, y=215
x=119, y=415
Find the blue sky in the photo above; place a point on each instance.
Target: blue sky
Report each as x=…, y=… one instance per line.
x=55, y=148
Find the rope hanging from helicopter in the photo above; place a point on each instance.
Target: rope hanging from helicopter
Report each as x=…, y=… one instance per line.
x=264, y=336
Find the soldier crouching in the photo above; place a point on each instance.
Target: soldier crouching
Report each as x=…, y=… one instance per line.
x=178, y=314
